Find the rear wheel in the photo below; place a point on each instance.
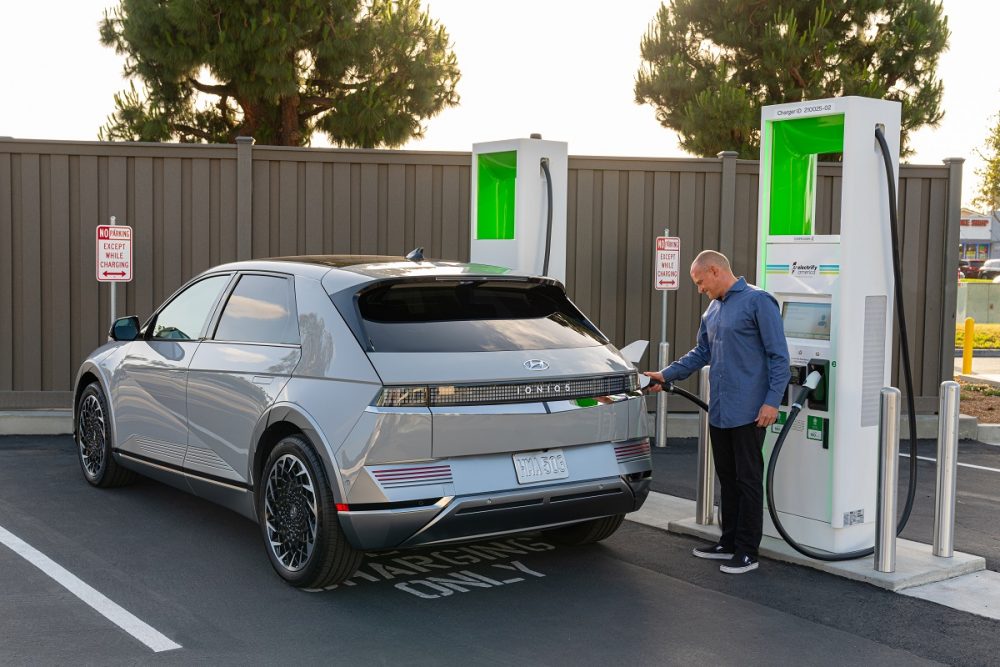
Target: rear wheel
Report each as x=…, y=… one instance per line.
x=298, y=519
x=94, y=442
x=587, y=532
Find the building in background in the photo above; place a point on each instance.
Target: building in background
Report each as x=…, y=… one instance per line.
x=979, y=236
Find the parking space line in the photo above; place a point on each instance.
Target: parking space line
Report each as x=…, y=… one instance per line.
x=960, y=464
x=111, y=611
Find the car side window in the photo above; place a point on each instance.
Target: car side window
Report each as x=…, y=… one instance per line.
x=185, y=316
x=261, y=309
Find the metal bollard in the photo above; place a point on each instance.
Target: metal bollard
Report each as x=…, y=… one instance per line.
x=661, y=400
x=967, y=344
x=947, y=468
x=888, y=477
x=705, y=503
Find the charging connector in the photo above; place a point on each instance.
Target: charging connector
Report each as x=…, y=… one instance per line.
x=819, y=398
x=813, y=380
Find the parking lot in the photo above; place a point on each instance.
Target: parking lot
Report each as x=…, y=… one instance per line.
x=197, y=576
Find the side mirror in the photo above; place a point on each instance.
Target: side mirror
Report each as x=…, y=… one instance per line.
x=125, y=328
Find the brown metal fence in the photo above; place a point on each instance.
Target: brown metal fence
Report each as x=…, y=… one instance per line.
x=194, y=206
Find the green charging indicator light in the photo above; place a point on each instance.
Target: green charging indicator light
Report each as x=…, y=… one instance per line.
x=497, y=176
x=792, y=151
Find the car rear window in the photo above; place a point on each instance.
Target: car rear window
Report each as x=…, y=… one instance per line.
x=472, y=316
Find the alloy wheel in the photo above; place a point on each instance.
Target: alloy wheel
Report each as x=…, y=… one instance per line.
x=90, y=427
x=290, y=512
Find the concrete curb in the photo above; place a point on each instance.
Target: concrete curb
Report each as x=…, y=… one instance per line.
x=977, y=593
x=927, y=427
x=36, y=422
x=978, y=379
x=982, y=353
x=915, y=563
x=988, y=433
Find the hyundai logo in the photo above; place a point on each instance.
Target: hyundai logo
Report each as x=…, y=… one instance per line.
x=536, y=365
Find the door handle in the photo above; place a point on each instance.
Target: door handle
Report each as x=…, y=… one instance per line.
x=261, y=379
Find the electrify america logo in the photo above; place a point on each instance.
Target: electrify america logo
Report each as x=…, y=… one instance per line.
x=803, y=270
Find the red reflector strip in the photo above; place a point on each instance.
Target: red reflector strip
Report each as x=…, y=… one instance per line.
x=629, y=448
x=342, y=507
x=632, y=450
x=404, y=480
x=413, y=476
x=393, y=473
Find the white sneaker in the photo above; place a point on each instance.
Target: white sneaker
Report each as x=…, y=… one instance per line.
x=739, y=564
x=714, y=552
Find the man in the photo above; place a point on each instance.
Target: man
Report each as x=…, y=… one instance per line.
x=742, y=337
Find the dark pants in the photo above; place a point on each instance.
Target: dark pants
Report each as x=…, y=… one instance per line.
x=739, y=463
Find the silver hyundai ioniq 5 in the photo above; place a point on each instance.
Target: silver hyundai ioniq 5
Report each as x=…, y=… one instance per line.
x=351, y=404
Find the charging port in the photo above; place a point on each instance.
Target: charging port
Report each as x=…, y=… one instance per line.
x=819, y=398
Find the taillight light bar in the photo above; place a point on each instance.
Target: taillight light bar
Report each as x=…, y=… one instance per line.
x=402, y=397
x=510, y=392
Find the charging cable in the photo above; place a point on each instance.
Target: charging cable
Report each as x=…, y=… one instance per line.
x=548, y=225
x=670, y=388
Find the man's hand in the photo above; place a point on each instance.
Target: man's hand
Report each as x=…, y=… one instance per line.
x=653, y=388
x=766, y=416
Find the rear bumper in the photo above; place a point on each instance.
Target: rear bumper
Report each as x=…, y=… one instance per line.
x=463, y=518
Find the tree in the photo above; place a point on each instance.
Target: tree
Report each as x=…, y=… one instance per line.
x=365, y=72
x=710, y=65
x=988, y=197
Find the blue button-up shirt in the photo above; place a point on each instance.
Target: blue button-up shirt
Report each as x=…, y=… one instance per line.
x=743, y=338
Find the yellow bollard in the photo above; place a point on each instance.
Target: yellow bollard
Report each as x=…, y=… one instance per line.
x=970, y=334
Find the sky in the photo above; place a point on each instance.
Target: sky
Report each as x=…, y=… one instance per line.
x=562, y=68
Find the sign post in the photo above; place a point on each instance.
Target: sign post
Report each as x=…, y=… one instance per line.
x=114, y=258
x=666, y=278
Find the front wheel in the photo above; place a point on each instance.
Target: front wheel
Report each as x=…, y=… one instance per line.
x=587, y=532
x=298, y=519
x=94, y=441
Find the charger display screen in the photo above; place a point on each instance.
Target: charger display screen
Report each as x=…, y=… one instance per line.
x=806, y=320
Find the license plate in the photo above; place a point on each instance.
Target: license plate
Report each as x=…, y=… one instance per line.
x=540, y=466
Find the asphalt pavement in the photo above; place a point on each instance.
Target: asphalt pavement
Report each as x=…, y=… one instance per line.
x=977, y=499
x=198, y=574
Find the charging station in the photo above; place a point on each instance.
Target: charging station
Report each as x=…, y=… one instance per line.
x=519, y=205
x=836, y=295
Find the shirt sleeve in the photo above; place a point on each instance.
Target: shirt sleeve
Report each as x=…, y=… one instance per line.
x=699, y=356
x=772, y=336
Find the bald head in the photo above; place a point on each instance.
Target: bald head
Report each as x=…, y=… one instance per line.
x=707, y=258
x=712, y=274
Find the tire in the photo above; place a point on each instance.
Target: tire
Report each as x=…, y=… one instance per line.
x=94, y=441
x=298, y=519
x=587, y=532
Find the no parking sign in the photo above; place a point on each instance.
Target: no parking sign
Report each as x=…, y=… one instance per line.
x=114, y=253
x=668, y=259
